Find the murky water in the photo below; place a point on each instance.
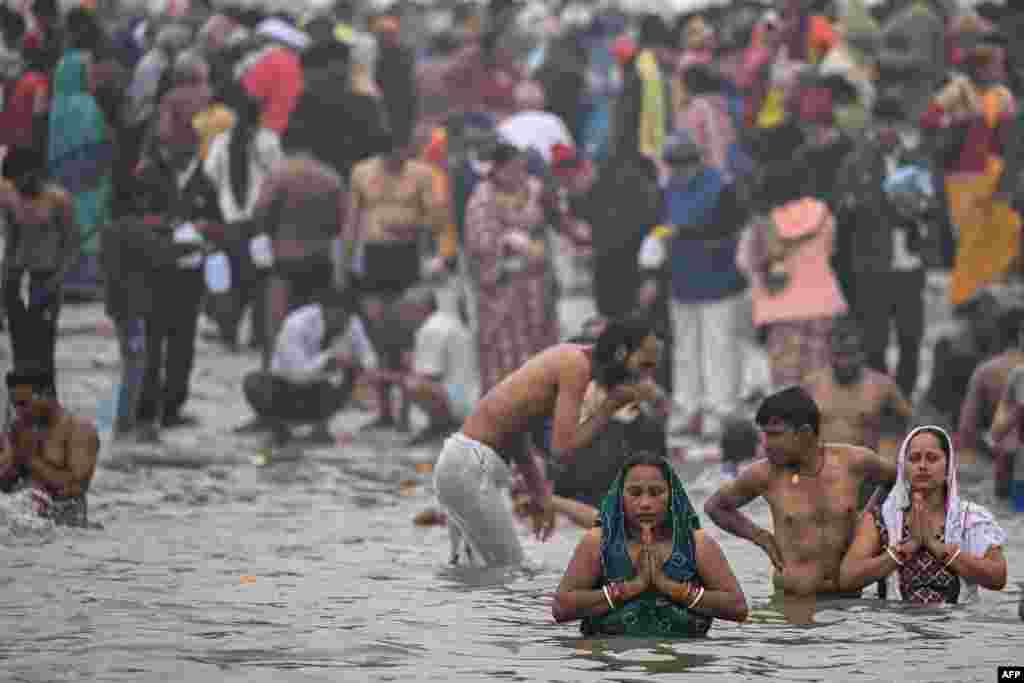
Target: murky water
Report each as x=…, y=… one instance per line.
x=311, y=570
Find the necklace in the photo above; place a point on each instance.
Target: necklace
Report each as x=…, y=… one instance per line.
x=821, y=465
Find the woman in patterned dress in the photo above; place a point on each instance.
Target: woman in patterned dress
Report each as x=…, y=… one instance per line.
x=938, y=547
x=509, y=255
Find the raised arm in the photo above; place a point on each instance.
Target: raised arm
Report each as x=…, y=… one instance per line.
x=568, y=434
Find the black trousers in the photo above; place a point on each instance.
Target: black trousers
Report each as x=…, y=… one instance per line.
x=171, y=345
x=33, y=327
x=886, y=300
x=278, y=400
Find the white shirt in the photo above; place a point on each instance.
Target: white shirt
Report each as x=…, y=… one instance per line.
x=299, y=356
x=444, y=349
x=540, y=130
x=264, y=153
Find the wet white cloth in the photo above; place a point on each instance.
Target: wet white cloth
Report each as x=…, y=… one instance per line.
x=968, y=525
x=444, y=350
x=299, y=355
x=472, y=485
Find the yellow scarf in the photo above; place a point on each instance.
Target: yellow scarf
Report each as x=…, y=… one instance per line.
x=652, y=105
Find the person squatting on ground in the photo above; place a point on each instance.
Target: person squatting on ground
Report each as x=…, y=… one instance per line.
x=439, y=377
x=318, y=353
x=47, y=449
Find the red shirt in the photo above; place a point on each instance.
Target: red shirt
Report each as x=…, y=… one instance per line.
x=23, y=100
x=276, y=78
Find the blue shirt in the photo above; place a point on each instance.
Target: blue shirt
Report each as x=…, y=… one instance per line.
x=702, y=270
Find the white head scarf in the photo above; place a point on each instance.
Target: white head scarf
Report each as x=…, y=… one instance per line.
x=968, y=525
x=898, y=502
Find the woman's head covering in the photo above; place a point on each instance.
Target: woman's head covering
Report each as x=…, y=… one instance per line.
x=682, y=564
x=968, y=525
x=898, y=502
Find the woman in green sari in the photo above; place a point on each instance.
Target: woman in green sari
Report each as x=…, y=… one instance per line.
x=79, y=157
x=647, y=569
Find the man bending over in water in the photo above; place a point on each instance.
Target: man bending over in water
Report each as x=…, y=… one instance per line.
x=47, y=448
x=545, y=395
x=812, y=490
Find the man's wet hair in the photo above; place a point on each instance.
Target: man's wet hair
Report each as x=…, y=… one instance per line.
x=793, y=407
x=621, y=338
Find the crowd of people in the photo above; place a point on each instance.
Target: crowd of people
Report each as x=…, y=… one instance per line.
x=759, y=191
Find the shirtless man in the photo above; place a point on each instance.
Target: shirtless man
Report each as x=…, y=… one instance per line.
x=987, y=386
x=48, y=449
x=811, y=488
x=544, y=401
x=853, y=398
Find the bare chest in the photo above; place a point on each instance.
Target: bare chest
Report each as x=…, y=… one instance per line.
x=800, y=502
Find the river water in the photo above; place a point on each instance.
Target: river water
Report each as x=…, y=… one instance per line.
x=310, y=569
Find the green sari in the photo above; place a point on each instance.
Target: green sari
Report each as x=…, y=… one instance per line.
x=651, y=615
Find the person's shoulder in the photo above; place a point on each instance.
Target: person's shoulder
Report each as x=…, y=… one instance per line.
x=849, y=452
x=976, y=514
x=80, y=426
x=421, y=169
x=363, y=168
x=758, y=470
x=58, y=196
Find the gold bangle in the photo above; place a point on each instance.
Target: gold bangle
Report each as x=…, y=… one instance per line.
x=952, y=558
x=700, y=594
x=893, y=555
x=608, y=597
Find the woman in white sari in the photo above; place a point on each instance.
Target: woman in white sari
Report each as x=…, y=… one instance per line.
x=935, y=545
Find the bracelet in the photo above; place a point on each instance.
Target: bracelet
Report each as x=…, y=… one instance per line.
x=893, y=555
x=608, y=597
x=952, y=558
x=700, y=594
x=618, y=591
